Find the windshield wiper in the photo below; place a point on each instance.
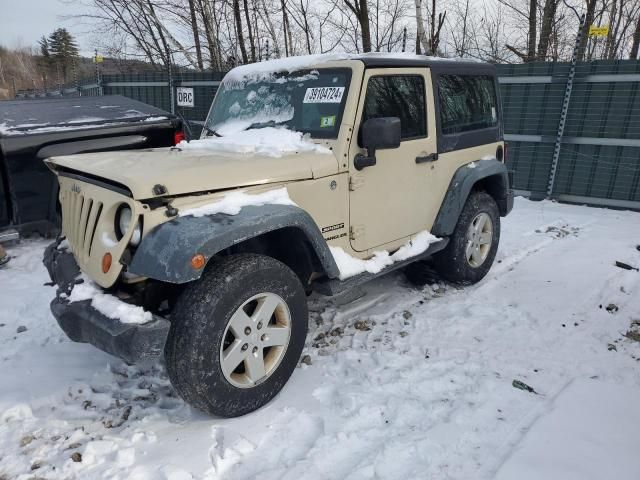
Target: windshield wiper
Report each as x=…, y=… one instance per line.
x=208, y=131
x=270, y=123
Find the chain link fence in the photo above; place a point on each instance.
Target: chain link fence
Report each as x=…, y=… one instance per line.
x=598, y=159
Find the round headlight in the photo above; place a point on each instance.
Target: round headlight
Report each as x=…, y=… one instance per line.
x=124, y=221
x=137, y=235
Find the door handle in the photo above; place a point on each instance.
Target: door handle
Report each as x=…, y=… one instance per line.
x=432, y=157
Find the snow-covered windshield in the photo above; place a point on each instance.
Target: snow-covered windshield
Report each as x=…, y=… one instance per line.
x=309, y=101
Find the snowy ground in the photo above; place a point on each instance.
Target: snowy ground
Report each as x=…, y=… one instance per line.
x=403, y=383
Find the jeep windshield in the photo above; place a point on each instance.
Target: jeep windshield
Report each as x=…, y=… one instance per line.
x=309, y=101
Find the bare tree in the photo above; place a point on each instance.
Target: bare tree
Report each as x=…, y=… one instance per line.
x=361, y=11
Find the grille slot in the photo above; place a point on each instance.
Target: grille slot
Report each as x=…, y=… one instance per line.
x=80, y=217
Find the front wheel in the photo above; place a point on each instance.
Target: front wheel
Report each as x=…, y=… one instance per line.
x=474, y=243
x=236, y=335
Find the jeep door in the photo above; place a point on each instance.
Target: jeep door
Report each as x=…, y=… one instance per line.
x=391, y=200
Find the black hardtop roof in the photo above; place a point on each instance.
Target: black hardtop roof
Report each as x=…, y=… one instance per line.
x=71, y=112
x=417, y=61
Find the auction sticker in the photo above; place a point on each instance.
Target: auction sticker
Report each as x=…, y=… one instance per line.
x=323, y=95
x=326, y=122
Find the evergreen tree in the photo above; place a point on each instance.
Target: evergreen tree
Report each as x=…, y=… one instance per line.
x=62, y=49
x=44, y=47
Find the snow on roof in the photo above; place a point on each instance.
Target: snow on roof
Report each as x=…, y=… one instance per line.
x=301, y=62
x=19, y=117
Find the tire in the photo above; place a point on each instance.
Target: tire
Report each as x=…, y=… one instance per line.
x=226, y=302
x=453, y=263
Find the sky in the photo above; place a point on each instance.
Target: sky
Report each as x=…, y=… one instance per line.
x=23, y=22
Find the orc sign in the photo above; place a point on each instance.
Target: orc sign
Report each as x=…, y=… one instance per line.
x=185, y=97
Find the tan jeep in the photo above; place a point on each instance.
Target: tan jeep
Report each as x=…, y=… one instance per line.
x=312, y=174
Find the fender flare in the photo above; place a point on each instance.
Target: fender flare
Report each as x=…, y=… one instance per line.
x=460, y=187
x=165, y=252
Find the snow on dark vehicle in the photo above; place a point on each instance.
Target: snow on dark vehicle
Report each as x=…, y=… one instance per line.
x=313, y=173
x=33, y=130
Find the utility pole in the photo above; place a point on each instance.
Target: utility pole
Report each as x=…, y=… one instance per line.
x=98, y=80
x=58, y=78
x=565, y=109
x=170, y=82
x=75, y=75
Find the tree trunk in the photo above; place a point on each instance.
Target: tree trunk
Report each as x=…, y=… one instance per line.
x=215, y=62
x=636, y=42
x=285, y=26
x=306, y=26
x=591, y=9
x=196, y=36
x=548, y=19
x=364, y=24
x=238, y=18
x=533, y=25
x=361, y=10
x=421, y=40
x=251, y=41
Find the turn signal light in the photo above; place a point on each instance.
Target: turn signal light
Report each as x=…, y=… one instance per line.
x=106, y=262
x=198, y=261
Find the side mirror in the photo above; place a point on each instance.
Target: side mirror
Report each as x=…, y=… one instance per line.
x=377, y=133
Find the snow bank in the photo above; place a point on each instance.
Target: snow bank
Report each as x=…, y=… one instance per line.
x=591, y=426
x=109, y=305
x=268, y=141
x=232, y=203
x=350, y=266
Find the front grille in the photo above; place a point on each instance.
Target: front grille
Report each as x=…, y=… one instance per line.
x=80, y=217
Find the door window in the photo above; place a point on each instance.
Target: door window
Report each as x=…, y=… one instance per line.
x=401, y=96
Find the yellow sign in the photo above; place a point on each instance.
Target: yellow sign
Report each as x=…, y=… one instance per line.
x=98, y=59
x=596, y=31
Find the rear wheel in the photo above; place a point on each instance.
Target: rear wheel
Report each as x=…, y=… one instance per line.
x=237, y=334
x=474, y=243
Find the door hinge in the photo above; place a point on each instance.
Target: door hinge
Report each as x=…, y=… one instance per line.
x=356, y=231
x=355, y=182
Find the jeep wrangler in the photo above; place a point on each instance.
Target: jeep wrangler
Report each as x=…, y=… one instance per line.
x=402, y=167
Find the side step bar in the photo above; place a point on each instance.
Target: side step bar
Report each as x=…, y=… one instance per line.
x=334, y=286
x=9, y=235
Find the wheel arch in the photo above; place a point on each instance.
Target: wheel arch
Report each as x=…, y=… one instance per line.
x=490, y=176
x=285, y=232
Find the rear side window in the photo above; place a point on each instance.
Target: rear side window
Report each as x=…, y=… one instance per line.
x=467, y=103
x=399, y=96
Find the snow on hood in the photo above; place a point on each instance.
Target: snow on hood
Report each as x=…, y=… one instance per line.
x=268, y=142
x=233, y=202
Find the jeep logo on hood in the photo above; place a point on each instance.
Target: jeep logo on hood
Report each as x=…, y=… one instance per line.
x=75, y=188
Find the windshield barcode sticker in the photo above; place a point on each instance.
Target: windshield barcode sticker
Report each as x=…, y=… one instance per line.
x=323, y=95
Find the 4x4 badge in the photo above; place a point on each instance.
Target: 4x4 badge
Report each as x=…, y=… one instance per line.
x=75, y=188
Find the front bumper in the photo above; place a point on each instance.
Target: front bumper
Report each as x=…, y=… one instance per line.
x=82, y=323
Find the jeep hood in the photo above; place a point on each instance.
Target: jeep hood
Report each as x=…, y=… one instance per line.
x=191, y=171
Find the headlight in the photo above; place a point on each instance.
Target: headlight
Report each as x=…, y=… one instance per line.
x=123, y=223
